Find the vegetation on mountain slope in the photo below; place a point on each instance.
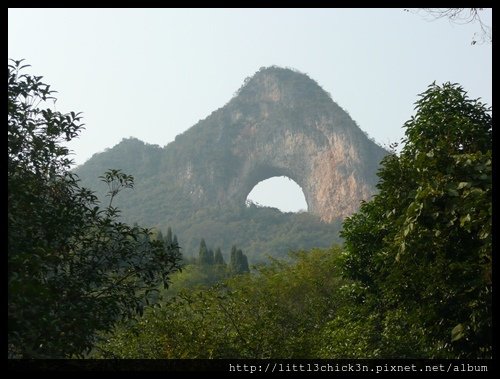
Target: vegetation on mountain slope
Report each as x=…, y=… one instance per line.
x=413, y=278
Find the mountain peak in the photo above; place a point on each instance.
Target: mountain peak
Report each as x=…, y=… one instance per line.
x=280, y=123
x=277, y=84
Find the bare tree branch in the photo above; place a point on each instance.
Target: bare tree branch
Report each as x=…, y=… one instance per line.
x=459, y=16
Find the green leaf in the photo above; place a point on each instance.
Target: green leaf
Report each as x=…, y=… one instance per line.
x=457, y=333
x=465, y=219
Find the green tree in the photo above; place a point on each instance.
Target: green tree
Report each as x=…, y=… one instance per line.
x=73, y=268
x=218, y=258
x=210, y=257
x=243, y=262
x=175, y=245
x=203, y=253
x=277, y=313
x=238, y=261
x=168, y=238
x=159, y=236
x=422, y=247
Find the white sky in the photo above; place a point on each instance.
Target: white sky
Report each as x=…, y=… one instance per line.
x=153, y=73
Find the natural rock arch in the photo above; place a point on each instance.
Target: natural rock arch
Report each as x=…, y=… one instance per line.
x=280, y=123
x=280, y=192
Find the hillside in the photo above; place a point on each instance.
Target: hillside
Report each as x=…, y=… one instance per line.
x=279, y=123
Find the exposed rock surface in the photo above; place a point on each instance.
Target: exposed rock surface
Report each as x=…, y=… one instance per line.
x=280, y=122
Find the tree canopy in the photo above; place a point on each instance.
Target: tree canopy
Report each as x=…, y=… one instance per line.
x=73, y=268
x=276, y=313
x=422, y=247
x=413, y=279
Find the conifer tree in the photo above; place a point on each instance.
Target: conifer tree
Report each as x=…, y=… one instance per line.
x=239, y=261
x=159, y=236
x=218, y=258
x=168, y=238
x=175, y=244
x=242, y=261
x=210, y=257
x=203, y=258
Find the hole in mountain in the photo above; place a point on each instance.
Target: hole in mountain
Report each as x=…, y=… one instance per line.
x=278, y=192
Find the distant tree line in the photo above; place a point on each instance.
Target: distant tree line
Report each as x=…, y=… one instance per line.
x=412, y=280
x=238, y=262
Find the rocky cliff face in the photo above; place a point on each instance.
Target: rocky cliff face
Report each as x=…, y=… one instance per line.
x=280, y=122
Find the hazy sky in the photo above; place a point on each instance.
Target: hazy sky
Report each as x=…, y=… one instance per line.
x=153, y=73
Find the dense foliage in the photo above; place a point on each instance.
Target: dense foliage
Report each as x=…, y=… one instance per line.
x=184, y=184
x=73, y=268
x=278, y=312
x=259, y=231
x=412, y=281
x=422, y=247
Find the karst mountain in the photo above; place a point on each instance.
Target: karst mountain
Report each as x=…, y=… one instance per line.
x=279, y=123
